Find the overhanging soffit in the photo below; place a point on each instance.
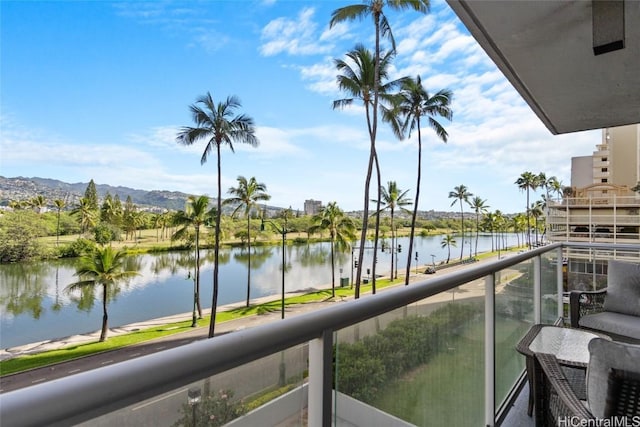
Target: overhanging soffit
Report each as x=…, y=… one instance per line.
x=576, y=63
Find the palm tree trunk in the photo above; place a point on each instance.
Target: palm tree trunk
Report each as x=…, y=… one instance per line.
x=477, y=232
x=197, y=278
x=248, y=260
x=333, y=270
x=415, y=206
x=216, y=248
x=462, y=226
x=528, y=221
x=393, y=243
x=105, y=316
x=365, y=224
x=377, y=232
x=374, y=132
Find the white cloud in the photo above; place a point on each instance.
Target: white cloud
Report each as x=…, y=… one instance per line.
x=292, y=36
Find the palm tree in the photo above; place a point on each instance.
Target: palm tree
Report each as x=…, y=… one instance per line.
x=341, y=232
x=38, y=203
x=217, y=125
x=537, y=210
x=479, y=206
x=519, y=225
x=374, y=8
x=414, y=102
x=86, y=214
x=195, y=214
x=460, y=193
x=358, y=80
x=103, y=267
x=393, y=198
x=59, y=204
x=448, y=241
x=247, y=195
x=527, y=181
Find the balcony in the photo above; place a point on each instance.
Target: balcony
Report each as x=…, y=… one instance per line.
x=438, y=352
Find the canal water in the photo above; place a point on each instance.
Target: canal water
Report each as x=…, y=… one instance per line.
x=35, y=306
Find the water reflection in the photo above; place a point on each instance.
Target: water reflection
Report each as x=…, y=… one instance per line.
x=34, y=306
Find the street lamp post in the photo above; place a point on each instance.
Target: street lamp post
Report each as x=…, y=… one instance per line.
x=283, y=232
x=194, y=322
x=433, y=260
x=193, y=398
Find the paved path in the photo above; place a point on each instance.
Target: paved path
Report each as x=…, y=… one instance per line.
x=59, y=370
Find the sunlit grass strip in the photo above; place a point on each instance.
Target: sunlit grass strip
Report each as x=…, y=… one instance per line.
x=24, y=363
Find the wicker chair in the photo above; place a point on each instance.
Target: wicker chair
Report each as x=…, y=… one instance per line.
x=615, y=310
x=613, y=387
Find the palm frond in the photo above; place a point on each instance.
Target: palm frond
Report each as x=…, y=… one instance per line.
x=348, y=13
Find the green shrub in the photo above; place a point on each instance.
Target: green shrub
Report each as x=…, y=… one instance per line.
x=364, y=367
x=77, y=248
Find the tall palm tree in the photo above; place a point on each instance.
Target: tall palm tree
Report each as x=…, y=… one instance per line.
x=374, y=9
x=103, y=267
x=59, y=204
x=195, y=214
x=459, y=194
x=342, y=231
x=358, y=80
x=247, y=195
x=217, y=125
x=414, y=102
x=480, y=207
x=447, y=242
x=519, y=225
x=392, y=198
x=537, y=210
x=527, y=181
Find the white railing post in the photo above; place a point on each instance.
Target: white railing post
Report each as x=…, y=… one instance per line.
x=537, y=290
x=489, y=351
x=320, y=380
x=560, y=280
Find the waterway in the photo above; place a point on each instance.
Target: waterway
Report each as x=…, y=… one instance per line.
x=35, y=306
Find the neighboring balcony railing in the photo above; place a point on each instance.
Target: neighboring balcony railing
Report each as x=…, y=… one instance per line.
x=440, y=351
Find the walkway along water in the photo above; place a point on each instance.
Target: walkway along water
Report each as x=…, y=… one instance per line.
x=34, y=308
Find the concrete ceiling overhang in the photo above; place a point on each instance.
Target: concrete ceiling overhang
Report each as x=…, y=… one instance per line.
x=546, y=50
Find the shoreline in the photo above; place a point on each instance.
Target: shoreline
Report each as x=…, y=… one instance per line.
x=62, y=342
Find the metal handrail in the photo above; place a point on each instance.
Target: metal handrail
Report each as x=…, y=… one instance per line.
x=87, y=395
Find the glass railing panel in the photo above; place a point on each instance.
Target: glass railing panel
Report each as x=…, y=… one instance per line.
x=549, y=288
x=514, y=315
x=422, y=365
x=268, y=391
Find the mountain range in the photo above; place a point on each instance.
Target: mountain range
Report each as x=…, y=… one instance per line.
x=21, y=188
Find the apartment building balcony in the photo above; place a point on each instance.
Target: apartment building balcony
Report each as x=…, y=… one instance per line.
x=438, y=352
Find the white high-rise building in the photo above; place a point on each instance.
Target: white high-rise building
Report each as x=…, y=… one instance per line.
x=601, y=205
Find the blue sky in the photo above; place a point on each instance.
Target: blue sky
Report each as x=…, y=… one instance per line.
x=98, y=90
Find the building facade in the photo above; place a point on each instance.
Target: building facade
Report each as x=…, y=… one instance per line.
x=601, y=206
x=312, y=207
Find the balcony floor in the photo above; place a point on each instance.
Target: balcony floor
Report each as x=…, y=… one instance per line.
x=517, y=415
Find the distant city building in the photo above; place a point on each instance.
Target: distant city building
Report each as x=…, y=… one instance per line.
x=600, y=205
x=312, y=207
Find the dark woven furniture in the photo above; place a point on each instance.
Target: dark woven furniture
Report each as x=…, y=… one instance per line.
x=613, y=387
x=570, y=346
x=615, y=310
